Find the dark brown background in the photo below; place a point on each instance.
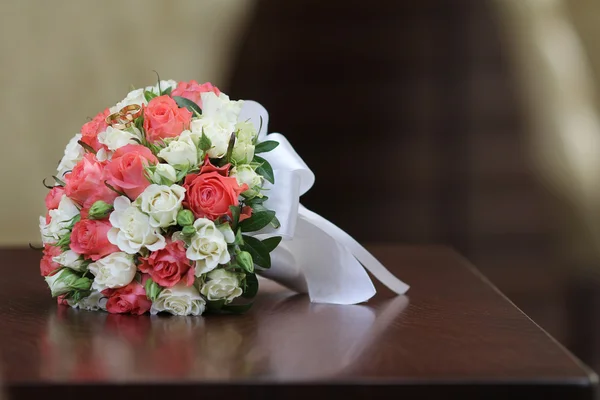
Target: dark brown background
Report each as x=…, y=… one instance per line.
x=422, y=93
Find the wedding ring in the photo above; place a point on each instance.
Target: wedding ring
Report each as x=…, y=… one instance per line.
x=124, y=118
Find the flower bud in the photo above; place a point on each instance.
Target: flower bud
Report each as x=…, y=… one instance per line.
x=188, y=230
x=246, y=174
x=245, y=260
x=185, y=217
x=164, y=174
x=65, y=281
x=100, y=210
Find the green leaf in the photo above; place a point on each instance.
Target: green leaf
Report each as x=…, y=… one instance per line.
x=244, y=259
x=205, y=143
x=215, y=305
x=238, y=238
x=235, y=216
x=186, y=103
x=258, y=251
x=253, y=202
x=272, y=243
x=87, y=147
x=251, y=287
x=167, y=91
x=152, y=289
x=257, y=221
x=148, y=95
x=61, y=183
x=265, y=169
x=266, y=146
x=139, y=123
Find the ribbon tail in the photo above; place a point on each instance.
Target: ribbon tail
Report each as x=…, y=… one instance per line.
x=366, y=259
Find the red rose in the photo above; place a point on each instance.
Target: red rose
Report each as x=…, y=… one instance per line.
x=164, y=119
x=47, y=266
x=192, y=90
x=126, y=169
x=53, y=197
x=90, y=131
x=210, y=193
x=169, y=265
x=85, y=184
x=128, y=299
x=89, y=237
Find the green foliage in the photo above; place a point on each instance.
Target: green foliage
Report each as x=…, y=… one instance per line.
x=272, y=243
x=265, y=169
x=266, y=146
x=258, y=251
x=182, y=102
x=152, y=289
x=257, y=221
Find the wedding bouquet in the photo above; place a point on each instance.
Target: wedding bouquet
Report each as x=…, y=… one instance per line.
x=175, y=198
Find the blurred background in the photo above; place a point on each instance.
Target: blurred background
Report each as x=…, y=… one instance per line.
x=479, y=117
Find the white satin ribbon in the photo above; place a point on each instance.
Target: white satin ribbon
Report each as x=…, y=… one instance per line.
x=315, y=255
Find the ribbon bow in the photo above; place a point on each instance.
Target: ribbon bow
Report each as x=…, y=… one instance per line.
x=315, y=256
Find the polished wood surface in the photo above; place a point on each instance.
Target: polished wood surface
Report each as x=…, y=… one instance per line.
x=454, y=336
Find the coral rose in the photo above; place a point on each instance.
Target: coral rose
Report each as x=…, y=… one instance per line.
x=192, y=90
x=85, y=184
x=47, y=265
x=126, y=170
x=91, y=129
x=89, y=237
x=210, y=193
x=164, y=119
x=169, y=265
x=53, y=197
x=128, y=299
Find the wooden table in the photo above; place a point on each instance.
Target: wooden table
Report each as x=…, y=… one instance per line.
x=453, y=336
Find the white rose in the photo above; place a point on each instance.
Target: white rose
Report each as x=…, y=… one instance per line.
x=161, y=203
x=163, y=85
x=218, y=133
x=164, y=174
x=103, y=155
x=70, y=259
x=181, y=151
x=60, y=221
x=245, y=174
x=243, y=152
x=220, y=285
x=134, y=97
x=116, y=138
x=57, y=284
x=208, y=246
x=113, y=271
x=220, y=108
x=131, y=228
x=179, y=300
x=94, y=302
x=73, y=153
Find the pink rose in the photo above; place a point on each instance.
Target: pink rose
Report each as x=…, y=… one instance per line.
x=126, y=170
x=47, y=266
x=61, y=300
x=169, y=265
x=192, y=90
x=53, y=197
x=89, y=237
x=90, y=130
x=164, y=119
x=210, y=193
x=129, y=299
x=85, y=184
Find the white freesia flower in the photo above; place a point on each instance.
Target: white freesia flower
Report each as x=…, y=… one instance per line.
x=220, y=285
x=60, y=221
x=164, y=174
x=208, y=247
x=161, y=203
x=181, y=151
x=163, y=85
x=73, y=153
x=179, y=300
x=113, y=271
x=134, y=97
x=94, y=302
x=70, y=259
x=131, y=228
x=116, y=138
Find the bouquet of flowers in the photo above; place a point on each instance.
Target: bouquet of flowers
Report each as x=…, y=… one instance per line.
x=175, y=198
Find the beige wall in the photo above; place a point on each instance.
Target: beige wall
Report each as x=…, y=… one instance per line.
x=63, y=61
